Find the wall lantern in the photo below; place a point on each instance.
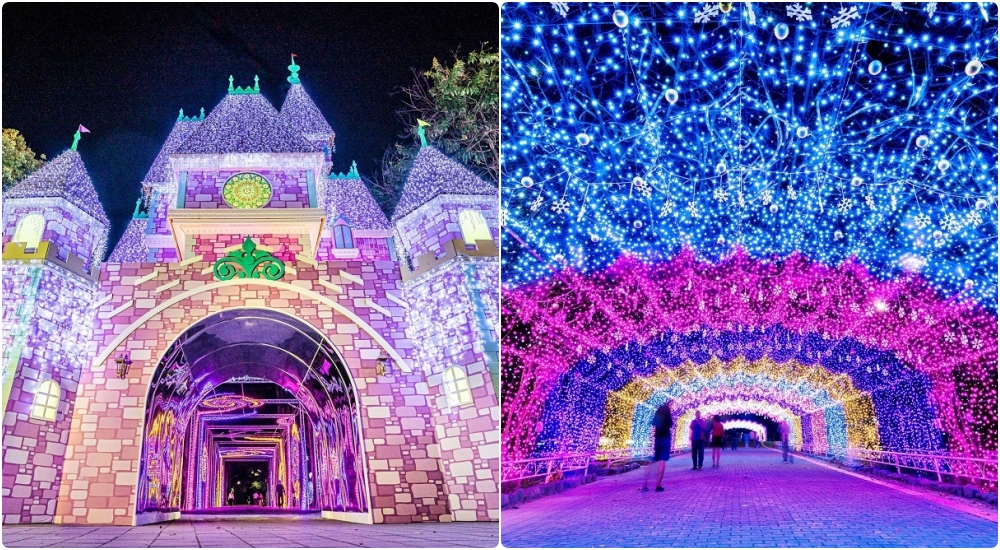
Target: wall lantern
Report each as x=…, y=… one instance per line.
x=382, y=364
x=122, y=363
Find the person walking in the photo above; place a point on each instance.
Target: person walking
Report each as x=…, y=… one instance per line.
x=279, y=493
x=733, y=439
x=698, y=432
x=746, y=439
x=718, y=432
x=783, y=431
x=662, y=423
x=231, y=499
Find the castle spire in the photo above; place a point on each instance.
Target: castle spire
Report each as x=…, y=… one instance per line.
x=230, y=83
x=76, y=136
x=294, y=77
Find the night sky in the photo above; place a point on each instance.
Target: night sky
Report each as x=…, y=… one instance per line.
x=126, y=76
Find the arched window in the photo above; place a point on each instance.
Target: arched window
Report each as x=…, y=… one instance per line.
x=456, y=387
x=46, y=401
x=29, y=231
x=474, y=227
x=342, y=237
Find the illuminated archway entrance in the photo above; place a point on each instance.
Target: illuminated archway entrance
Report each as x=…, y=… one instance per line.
x=251, y=409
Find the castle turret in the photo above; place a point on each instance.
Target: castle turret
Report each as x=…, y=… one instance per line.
x=446, y=227
x=54, y=235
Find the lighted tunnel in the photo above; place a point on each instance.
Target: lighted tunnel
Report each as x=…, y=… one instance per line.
x=606, y=349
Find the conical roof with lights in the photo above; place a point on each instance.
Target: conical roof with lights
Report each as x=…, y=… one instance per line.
x=159, y=172
x=62, y=177
x=433, y=174
x=244, y=122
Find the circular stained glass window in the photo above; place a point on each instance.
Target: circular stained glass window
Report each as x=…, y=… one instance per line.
x=246, y=191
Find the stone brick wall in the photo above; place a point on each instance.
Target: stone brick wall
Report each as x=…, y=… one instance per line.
x=443, y=324
x=427, y=228
x=289, y=188
x=48, y=340
x=66, y=228
x=406, y=479
x=213, y=247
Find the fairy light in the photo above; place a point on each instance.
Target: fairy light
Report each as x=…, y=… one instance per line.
x=768, y=128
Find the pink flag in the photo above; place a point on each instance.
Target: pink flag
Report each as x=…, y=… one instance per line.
x=293, y=55
x=83, y=129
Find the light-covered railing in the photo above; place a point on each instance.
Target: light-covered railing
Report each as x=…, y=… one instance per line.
x=545, y=466
x=938, y=463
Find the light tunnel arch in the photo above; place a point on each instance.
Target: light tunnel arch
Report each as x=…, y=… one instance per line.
x=898, y=395
x=285, y=318
x=571, y=339
x=801, y=395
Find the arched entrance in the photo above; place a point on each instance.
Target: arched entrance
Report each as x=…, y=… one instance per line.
x=251, y=409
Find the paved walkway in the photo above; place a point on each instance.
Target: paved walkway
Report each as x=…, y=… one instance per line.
x=753, y=500
x=255, y=532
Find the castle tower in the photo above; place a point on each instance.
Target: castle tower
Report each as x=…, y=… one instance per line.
x=54, y=236
x=447, y=230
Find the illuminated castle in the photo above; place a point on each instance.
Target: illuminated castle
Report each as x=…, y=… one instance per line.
x=260, y=313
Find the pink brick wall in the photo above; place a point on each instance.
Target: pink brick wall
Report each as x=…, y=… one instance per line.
x=54, y=348
x=67, y=233
x=427, y=228
x=443, y=323
x=213, y=247
x=402, y=446
x=289, y=189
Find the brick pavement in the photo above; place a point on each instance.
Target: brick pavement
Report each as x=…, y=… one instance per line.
x=255, y=532
x=753, y=500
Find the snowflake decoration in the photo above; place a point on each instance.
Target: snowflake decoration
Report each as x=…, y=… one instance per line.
x=504, y=216
x=870, y=201
x=667, y=208
x=561, y=206
x=964, y=339
x=643, y=188
x=792, y=195
x=765, y=197
x=951, y=224
x=845, y=205
x=751, y=16
x=721, y=195
x=855, y=308
x=799, y=13
x=777, y=290
x=931, y=8
x=898, y=6
x=977, y=344
x=949, y=337
x=922, y=221
x=745, y=297
x=707, y=13
x=537, y=203
x=693, y=209
x=844, y=16
x=792, y=294
x=929, y=319
x=973, y=219
x=562, y=8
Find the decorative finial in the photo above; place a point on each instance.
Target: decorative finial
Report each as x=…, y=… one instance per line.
x=256, y=83
x=421, y=132
x=76, y=137
x=138, y=203
x=230, y=83
x=180, y=116
x=203, y=113
x=354, y=170
x=294, y=78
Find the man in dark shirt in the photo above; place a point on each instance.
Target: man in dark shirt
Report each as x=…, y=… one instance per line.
x=698, y=434
x=661, y=425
